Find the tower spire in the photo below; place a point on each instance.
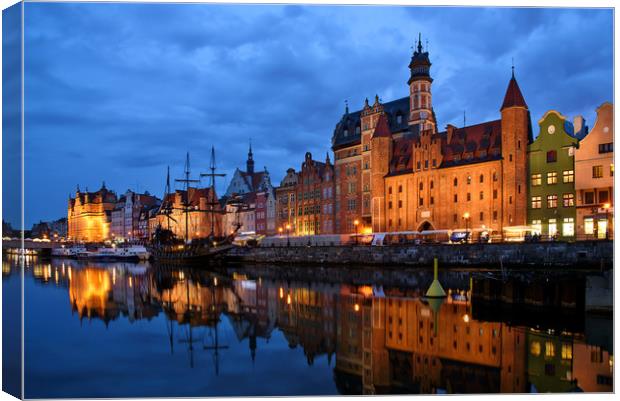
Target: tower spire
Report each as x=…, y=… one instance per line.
x=346, y=106
x=420, y=42
x=250, y=162
x=513, y=67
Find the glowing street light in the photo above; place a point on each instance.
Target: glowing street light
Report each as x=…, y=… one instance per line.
x=466, y=217
x=356, y=223
x=606, y=206
x=288, y=229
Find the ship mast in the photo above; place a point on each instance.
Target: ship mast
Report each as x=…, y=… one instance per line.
x=213, y=198
x=186, y=181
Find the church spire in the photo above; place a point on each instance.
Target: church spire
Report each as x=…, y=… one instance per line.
x=250, y=162
x=419, y=42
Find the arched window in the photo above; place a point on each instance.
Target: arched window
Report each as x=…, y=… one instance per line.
x=456, y=182
x=481, y=178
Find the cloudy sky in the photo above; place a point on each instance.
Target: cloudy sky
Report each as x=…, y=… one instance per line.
x=117, y=92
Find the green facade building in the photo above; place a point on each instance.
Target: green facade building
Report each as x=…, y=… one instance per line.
x=551, y=189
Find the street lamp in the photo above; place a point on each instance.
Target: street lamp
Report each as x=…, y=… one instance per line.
x=356, y=223
x=606, y=206
x=466, y=217
x=288, y=240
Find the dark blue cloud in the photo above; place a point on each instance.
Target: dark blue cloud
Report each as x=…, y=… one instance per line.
x=117, y=92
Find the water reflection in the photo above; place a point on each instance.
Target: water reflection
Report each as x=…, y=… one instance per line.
x=379, y=339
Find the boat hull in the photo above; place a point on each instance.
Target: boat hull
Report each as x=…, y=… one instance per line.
x=189, y=255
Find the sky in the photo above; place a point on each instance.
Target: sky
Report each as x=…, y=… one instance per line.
x=117, y=92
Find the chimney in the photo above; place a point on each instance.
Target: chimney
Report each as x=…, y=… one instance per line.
x=579, y=123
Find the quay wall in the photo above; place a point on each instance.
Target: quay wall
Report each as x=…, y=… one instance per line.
x=578, y=255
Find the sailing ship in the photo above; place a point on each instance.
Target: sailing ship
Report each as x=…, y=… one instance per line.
x=167, y=247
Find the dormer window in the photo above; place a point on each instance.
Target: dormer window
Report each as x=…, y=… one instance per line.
x=357, y=130
x=399, y=119
x=346, y=132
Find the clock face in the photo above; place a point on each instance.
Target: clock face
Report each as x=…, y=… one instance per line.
x=423, y=115
x=551, y=129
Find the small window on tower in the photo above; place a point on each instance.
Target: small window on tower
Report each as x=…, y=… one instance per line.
x=399, y=119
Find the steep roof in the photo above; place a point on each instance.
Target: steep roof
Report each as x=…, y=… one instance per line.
x=513, y=97
x=382, y=129
x=350, y=121
x=473, y=144
x=402, y=160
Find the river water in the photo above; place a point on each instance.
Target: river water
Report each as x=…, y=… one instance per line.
x=138, y=330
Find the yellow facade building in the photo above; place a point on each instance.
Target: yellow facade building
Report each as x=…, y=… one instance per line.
x=89, y=215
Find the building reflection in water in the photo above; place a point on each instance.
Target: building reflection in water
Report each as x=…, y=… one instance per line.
x=384, y=339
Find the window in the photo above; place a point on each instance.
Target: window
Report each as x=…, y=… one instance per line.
x=421, y=186
x=589, y=198
x=494, y=176
x=434, y=162
x=603, y=197
x=456, y=182
x=611, y=170
x=495, y=194
x=606, y=147
x=552, y=156
x=421, y=201
x=468, y=179
x=495, y=215
x=399, y=119
x=568, y=176
x=400, y=204
x=432, y=186
x=568, y=200
x=481, y=216
x=390, y=190
x=456, y=198
x=454, y=218
x=389, y=204
x=552, y=178
x=536, y=202
x=567, y=351
x=588, y=225
x=552, y=201
x=535, y=348
x=432, y=200
x=481, y=195
x=468, y=196
x=400, y=189
x=568, y=228
x=419, y=165
x=537, y=226
x=549, y=349
x=426, y=164
x=597, y=171
x=536, y=179
x=553, y=227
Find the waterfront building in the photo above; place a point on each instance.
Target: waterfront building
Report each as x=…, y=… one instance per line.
x=248, y=181
x=145, y=229
x=125, y=216
x=315, y=197
x=594, y=177
x=240, y=211
x=286, y=205
x=89, y=215
x=201, y=207
x=551, y=207
x=396, y=172
x=265, y=213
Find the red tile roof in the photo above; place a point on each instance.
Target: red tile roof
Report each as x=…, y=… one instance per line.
x=402, y=160
x=473, y=144
x=514, y=97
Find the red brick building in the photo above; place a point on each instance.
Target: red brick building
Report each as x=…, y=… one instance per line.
x=396, y=172
x=315, y=197
x=286, y=205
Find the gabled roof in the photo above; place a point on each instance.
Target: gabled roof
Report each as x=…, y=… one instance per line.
x=513, y=97
x=382, y=129
x=402, y=160
x=473, y=144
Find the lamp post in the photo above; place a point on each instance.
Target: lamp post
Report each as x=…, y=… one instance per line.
x=356, y=224
x=288, y=229
x=606, y=206
x=466, y=217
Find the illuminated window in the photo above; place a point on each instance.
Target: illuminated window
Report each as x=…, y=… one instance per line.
x=568, y=176
x=568, y=227
x=567, y=351
x=537, y=226
x=552, y=201
x=588, y=225
x=535, y=348
x=536, y=179
x=568, y=200
x=553, y=227
x=549, y=349
x=552, y=178
x=536, y=202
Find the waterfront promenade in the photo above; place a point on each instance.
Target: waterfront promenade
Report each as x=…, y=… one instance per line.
x=573, y=255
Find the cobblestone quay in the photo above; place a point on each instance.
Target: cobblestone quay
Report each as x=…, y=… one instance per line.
x=578, y=255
